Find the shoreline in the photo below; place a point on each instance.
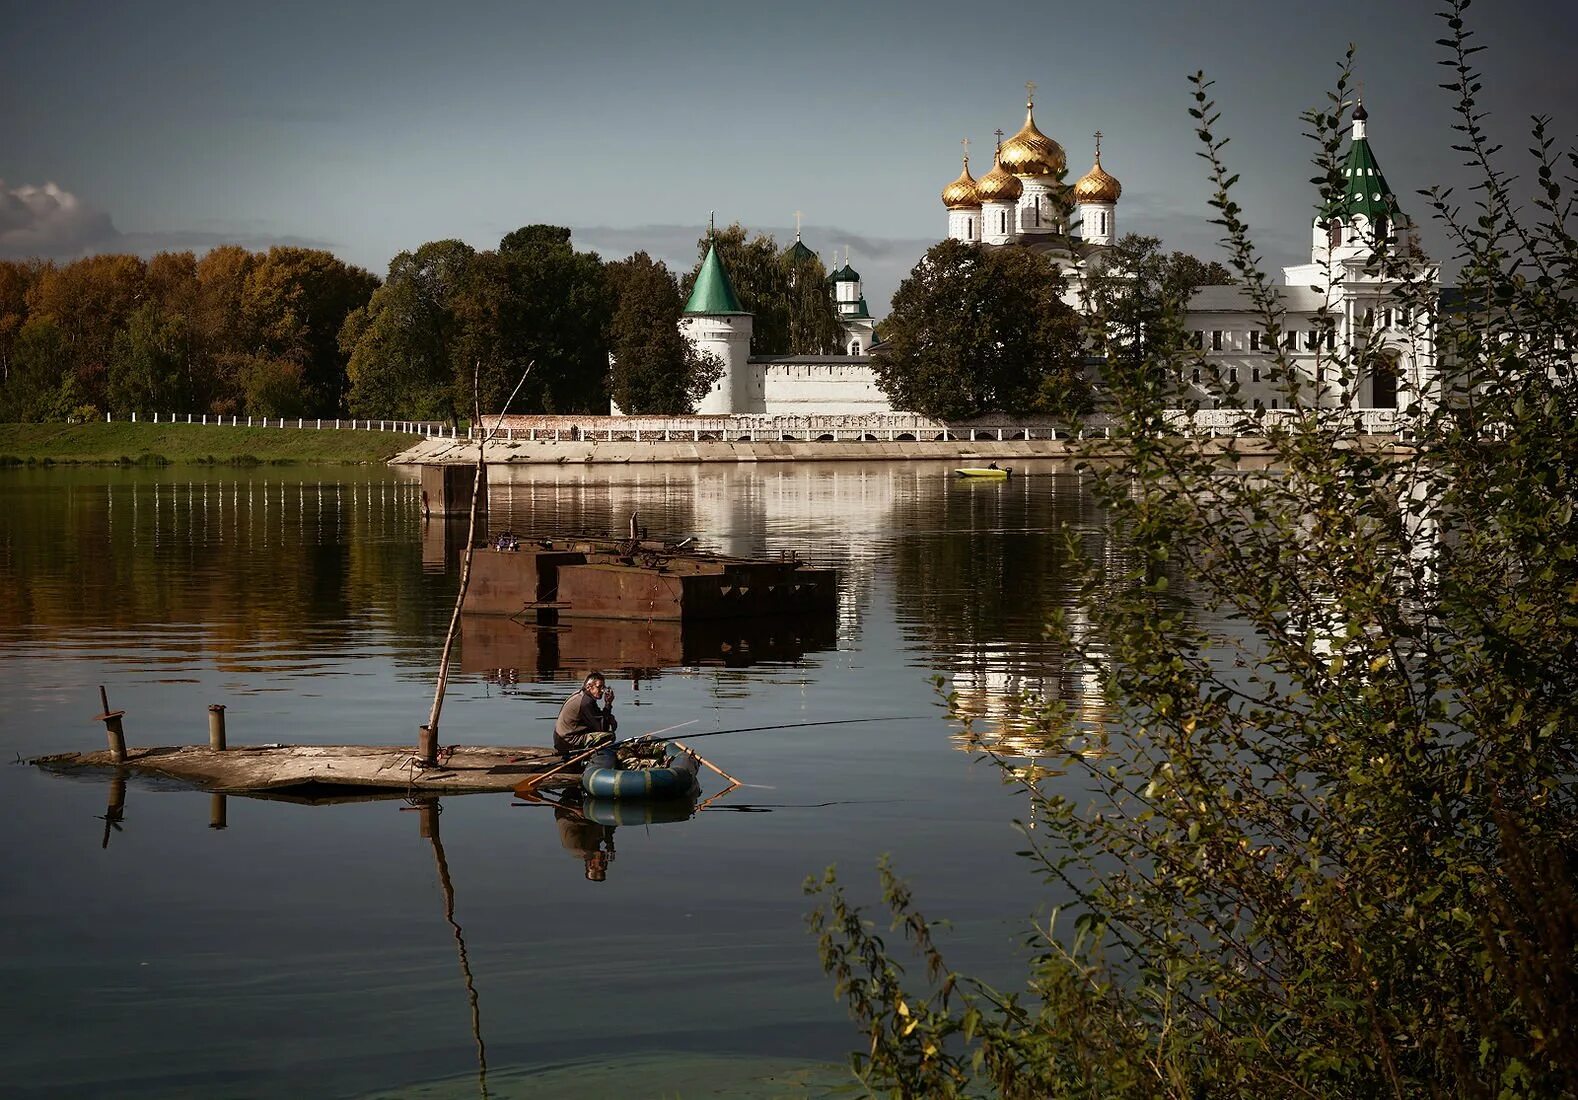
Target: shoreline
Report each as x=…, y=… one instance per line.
x=460, y=452
x=126, y=444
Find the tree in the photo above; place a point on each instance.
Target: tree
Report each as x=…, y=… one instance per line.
x=149, y=364
x=293, y=303
x=41, y=384
x=655, y=369
x=400, y=346
x=534, y=301
x=1324, y=845
x=787, y=294
x=976, y=330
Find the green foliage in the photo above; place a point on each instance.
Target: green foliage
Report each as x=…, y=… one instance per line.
x=98, y=443
x=976, y=330
x=274, y=387
x=792, y=307
x=1321, y=841
x=40, y=384
x=538, y=302
x=655, y=369
x=400, y=347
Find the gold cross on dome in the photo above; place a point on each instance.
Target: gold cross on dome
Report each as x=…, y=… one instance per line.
x=1098, y=144
x=797, y=217
x=1030, y=92
x=965, y=143
x=999, y=134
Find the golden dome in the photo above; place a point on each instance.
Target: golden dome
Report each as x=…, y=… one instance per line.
x=960, y=194
x=999, y=185
x=1031, y=153
x=1097, y=185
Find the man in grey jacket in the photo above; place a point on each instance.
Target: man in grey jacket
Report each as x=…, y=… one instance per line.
x=582, y=723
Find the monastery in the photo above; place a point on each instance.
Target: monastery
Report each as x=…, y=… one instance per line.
x=1018, y=204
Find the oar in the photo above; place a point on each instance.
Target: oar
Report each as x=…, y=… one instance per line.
x=530, y=782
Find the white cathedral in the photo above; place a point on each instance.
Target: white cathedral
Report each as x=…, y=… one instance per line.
x=1016, y=205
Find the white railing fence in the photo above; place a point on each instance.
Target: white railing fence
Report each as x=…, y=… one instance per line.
x=428, y=429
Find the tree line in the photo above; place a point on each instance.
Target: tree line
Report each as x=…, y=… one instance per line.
x=297, y=331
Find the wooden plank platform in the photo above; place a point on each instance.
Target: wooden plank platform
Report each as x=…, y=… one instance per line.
x=322, y=769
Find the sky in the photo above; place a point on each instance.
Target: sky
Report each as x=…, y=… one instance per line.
x=369, y=128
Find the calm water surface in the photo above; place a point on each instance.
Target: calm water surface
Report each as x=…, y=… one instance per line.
x=305, y=951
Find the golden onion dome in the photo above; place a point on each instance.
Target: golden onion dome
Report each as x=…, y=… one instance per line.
x=999, y=185
x=1097, y=185
x=1031, y=153
x=960, y=194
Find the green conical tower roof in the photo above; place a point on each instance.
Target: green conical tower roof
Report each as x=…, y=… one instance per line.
x=713, y=293
x=798, y=252
x=1368, y=192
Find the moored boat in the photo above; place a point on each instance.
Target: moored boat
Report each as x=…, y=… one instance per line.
x=985, y=471
x=671, y=775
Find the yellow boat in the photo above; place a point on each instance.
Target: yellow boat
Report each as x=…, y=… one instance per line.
x=984, y=471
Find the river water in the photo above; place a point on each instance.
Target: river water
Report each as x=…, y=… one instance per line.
x=304, y=950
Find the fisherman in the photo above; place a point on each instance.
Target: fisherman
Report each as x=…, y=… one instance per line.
x=582, y=724
x=992, y=466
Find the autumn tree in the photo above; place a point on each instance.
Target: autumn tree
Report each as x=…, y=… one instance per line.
x=975, y=330
x=655, y=369
x=293, y=305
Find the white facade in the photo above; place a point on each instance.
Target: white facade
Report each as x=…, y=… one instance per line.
x=964, y=224
x=999, y=222
x=1098, y=222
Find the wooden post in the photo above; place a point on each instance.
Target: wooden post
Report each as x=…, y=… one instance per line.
x=216, y=727
x=427, y=747
x=216, y=811
x=113, y=731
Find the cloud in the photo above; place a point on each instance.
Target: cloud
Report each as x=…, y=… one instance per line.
x=51, y=223
x=47, y=221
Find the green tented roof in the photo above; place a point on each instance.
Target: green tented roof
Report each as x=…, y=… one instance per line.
x=799, y=252
x=1368, y=192
x=713, y=292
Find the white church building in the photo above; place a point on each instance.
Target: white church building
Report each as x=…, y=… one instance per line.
x=1336, y=302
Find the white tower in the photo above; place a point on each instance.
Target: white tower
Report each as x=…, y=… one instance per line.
x=964, y=205
x=714, y=322
x=999, y=191
x=1096, y=199
x=850, y=302
x=1038, y=163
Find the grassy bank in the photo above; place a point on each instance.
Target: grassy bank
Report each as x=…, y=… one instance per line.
x=192, y=444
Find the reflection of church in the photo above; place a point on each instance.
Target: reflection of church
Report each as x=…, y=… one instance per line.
x=1339, y=302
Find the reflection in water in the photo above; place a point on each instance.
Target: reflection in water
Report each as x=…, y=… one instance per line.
x=505, y=651
x=430, y=810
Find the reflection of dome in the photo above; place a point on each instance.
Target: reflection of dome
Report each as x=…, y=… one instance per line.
x=1031, y=153
x=999, y=185
x=1097, y=185
x=960, y=194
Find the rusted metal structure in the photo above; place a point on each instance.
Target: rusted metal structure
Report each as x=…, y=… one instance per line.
x=641, y=579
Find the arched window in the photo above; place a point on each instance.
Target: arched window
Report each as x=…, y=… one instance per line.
x=1333, y=233
x=854, y=348
x=1381, y=229
x=1002, y=222
x=1103, y=223
x=969, y=229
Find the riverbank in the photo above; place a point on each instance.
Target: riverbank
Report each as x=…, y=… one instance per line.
x=457, y=452
x=128, y=444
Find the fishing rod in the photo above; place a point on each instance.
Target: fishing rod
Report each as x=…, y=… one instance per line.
x=788, y=726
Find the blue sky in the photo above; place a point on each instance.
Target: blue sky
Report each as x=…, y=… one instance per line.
x=369, y=128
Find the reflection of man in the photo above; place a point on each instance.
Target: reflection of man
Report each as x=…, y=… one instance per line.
x=581, y=723
x=586, y=840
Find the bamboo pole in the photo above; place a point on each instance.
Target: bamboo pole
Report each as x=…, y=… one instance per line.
x=427, y=739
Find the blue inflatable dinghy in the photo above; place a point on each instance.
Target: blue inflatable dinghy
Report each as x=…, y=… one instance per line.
x=674, y=778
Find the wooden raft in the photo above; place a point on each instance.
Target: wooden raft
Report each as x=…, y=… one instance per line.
x=322, y=768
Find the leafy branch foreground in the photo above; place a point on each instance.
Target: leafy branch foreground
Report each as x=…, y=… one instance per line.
x=1324, y=842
